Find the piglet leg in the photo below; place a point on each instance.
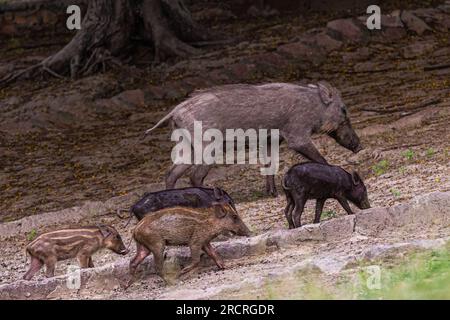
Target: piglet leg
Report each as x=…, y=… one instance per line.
x=50, y=264
x=344, y=203
x=35, y=266
x=141, y=253
x=196, y=252
x=84, y=261
x=319, y=207
x=213, y=254
x=298, y=210
x=289, y=208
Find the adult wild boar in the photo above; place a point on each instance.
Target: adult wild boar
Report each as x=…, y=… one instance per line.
x=297, y=111
x=183, y=197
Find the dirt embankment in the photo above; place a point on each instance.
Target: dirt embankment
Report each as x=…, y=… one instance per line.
x=71, y=142
x=328, y=248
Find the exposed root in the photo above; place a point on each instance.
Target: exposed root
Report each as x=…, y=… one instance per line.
x=107, y=30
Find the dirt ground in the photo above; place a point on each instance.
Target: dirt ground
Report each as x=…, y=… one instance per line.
x=55, y=161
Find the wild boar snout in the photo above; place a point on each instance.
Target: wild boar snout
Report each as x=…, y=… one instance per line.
x=358, y=148
x=365, y=204
x=232, y=222
x=243, y=230
x=115, y=243
x=347, y=137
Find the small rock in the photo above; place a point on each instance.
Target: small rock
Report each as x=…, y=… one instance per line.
x=391, y=21
x=255, y=11
x=417, y=49
x=414, y=23
x=302, y=51
x=358, y=55
x=347, y=29
x=242, y=71
x=132, y=98
x=322, y=40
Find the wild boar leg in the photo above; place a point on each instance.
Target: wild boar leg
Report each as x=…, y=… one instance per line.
x=156, y=246
x=319, y=207
x=344, y=203
x=91, y=263
x=308, y=150
x=199, y=174
x=158, y=258
x=50, y=263
x=175, y=172
x=289, y=208
x=271, y=188
x=196, y=252
x=300, y=200
x=83, y=260
x=213, y=254
x=35, y=266
x=141, y=253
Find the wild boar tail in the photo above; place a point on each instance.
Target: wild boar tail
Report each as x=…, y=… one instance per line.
x=167, y=117
x=129, y=219
x=130, y=215
x=283, y=184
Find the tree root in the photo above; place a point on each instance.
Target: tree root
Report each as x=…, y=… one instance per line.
x=106, y=34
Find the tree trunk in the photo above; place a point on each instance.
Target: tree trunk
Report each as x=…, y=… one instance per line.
x=105, y=31
x=106, y=34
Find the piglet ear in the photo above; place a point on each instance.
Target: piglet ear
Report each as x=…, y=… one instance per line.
x=326, y=92
x=356, y=178
x=218, y=193
x=104, y=230
x=219, y=210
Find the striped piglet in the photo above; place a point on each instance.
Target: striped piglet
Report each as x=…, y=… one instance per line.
x=81, y=243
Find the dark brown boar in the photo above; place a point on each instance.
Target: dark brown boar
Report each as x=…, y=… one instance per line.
x=320, y=181
x=185, y=226
x=82, y=243
x=182, y=197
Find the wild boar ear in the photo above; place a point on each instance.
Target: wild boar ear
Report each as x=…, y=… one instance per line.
x=356, y=178
x=104, y=230
x=219, y=210
x=218, y=193
x=326, y=92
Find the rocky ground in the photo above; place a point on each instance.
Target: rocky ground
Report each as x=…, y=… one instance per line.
x=64, y=143
x=260, y=266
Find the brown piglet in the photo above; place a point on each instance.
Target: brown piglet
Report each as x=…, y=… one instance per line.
x=194, y=227
x=81, y=243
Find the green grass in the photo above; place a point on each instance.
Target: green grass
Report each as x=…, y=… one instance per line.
x=415, y=276
x=396, y=193
x=32, y=235
x=380, y=167
x=430, y=152
x=425, y=276
x=328, y=214
x=409, y=154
